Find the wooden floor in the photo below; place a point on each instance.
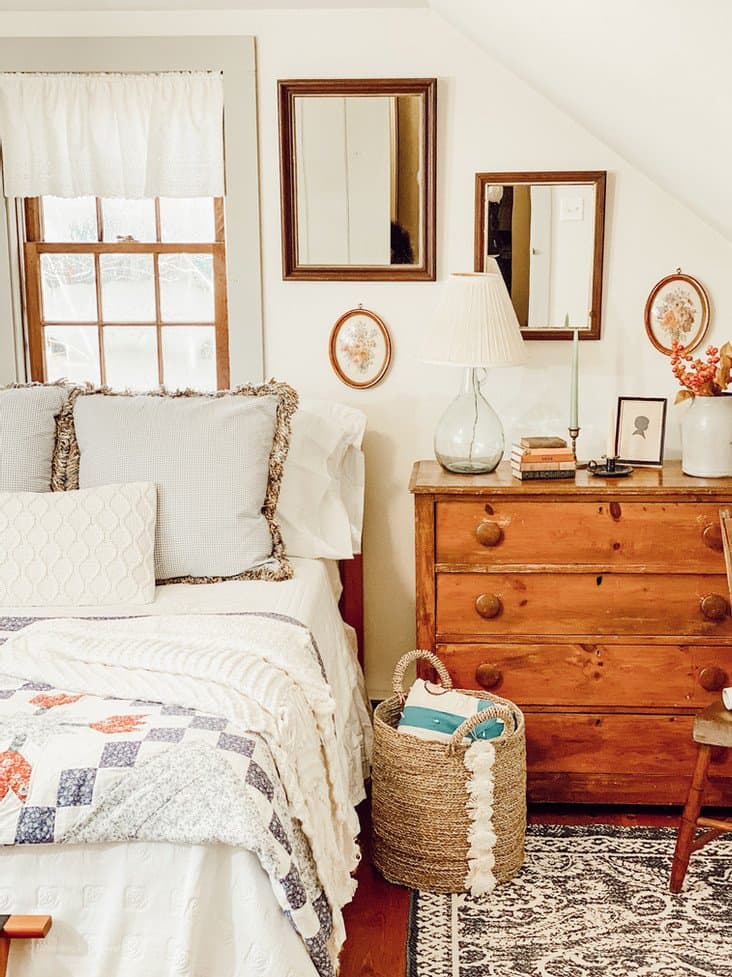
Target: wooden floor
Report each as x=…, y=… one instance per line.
x=376, y=920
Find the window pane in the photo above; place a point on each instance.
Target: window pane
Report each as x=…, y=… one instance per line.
x=133, y=219
x=131, y=357
x=189, y=357
x=128, y=290
x=189, y=219
x=68, y=288
x=72, y=353
x=69, y=219
x=186, y=287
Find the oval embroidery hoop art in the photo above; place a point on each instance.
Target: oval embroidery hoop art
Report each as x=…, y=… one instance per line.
x=360, y=348
x=683, y=284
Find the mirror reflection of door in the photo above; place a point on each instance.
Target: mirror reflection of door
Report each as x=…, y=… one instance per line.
x=358, y=174
x=542, y=236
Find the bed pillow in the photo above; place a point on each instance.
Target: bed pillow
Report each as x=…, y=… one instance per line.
x=69, y=549
x=28, y=458
x=216, y=460
x=321, y=501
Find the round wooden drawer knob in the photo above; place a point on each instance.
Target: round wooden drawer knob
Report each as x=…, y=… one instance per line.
x=714, y=607
x=489, y=533
x=712, y=537
x=488, y=605
x=488, y=676
x=713, y=678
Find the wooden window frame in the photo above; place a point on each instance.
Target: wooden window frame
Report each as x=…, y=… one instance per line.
x=34, y=246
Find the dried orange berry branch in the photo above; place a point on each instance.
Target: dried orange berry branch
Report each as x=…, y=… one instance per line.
x=698, y=377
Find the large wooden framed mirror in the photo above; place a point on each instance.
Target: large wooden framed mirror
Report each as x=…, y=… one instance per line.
x=357, y=170
x=546, y=231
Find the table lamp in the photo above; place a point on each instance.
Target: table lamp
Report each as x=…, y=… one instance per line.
x=475, y=327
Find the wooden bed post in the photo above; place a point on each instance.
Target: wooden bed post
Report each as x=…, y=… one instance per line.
x=20, y=928
x=351, y=602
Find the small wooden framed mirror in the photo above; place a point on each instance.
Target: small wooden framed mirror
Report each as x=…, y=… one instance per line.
x=358, y=179
x=546, y=231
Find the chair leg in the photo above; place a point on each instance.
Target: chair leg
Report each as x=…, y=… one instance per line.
x=4, y=950
x=687, y=827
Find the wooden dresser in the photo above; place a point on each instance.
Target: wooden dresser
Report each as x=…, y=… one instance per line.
x=600, y=606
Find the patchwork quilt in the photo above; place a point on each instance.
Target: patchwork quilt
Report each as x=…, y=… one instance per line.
x=85, y=767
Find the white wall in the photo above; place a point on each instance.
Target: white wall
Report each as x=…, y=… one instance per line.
x=488, y=120
x=652, y=78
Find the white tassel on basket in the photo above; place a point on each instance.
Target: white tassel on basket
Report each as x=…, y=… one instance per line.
x=479, y=760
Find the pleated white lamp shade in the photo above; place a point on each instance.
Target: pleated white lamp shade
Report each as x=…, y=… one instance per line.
x=475, y=323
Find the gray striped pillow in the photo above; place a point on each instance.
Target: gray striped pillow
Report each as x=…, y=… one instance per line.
x=28, y=415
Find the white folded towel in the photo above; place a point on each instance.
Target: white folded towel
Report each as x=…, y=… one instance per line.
x=434, y=713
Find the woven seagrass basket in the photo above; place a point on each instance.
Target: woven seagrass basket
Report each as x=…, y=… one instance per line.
x=419, y=794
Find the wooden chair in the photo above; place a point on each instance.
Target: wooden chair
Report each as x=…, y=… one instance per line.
x=20, y=928
x=712, y=727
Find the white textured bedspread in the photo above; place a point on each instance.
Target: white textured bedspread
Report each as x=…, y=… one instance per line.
x=259, y=673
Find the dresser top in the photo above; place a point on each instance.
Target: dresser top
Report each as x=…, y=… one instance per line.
x=429, y=478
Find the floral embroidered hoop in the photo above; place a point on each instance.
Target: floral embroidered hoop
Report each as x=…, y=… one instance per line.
x=360, y=348
x=677, y=310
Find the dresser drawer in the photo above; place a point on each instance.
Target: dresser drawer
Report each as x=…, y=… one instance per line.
x=580, y=757
x=582, y=603
x=607, y=533
x=621, y=743
x=596, y=675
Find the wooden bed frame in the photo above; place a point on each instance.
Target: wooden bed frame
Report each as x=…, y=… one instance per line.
x=351, y=602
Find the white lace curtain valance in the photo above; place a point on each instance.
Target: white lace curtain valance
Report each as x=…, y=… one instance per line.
x=112, y=135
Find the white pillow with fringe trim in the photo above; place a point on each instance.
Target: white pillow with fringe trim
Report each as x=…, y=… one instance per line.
x=217, y=462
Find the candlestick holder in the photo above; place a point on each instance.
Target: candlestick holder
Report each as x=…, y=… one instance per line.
x=574, y=434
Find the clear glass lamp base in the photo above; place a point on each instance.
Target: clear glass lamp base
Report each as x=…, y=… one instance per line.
x=469, y=436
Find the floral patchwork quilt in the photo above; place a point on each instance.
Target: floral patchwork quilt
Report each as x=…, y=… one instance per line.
x=85, y=767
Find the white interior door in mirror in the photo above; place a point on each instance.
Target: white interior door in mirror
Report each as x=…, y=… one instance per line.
x=540, y=253
x=542, y=236
x=358, y=178
x=343, y=180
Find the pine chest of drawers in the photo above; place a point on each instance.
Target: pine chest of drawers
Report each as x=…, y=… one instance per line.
x=600, y=607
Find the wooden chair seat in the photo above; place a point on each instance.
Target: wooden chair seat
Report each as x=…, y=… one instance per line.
x=712, y=728
x=20, y=928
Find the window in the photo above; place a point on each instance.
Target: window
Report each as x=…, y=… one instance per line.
x=128, y=293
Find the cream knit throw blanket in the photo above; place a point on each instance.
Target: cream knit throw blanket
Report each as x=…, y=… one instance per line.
x=260, y=673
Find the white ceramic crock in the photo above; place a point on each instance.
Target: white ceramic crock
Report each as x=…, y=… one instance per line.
x=706, y=437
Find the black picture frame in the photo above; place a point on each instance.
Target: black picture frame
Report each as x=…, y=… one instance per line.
x=655, y=426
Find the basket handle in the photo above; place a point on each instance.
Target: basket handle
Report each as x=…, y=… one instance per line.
x=397, y=683
x=497, y=711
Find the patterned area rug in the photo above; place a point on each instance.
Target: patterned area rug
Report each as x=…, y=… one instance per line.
x=588, y=902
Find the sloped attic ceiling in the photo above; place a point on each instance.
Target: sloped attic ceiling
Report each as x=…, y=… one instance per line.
x=651, y=78
x=20, y=6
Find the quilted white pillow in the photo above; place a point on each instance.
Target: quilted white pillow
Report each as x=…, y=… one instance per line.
x=67, y=549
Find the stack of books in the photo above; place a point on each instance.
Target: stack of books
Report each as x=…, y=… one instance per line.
x=534, y=458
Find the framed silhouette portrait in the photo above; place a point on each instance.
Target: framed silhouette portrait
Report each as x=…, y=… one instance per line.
x=640, y=430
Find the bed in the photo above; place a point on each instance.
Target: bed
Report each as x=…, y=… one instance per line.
x=141, y=908
x=184, y=731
